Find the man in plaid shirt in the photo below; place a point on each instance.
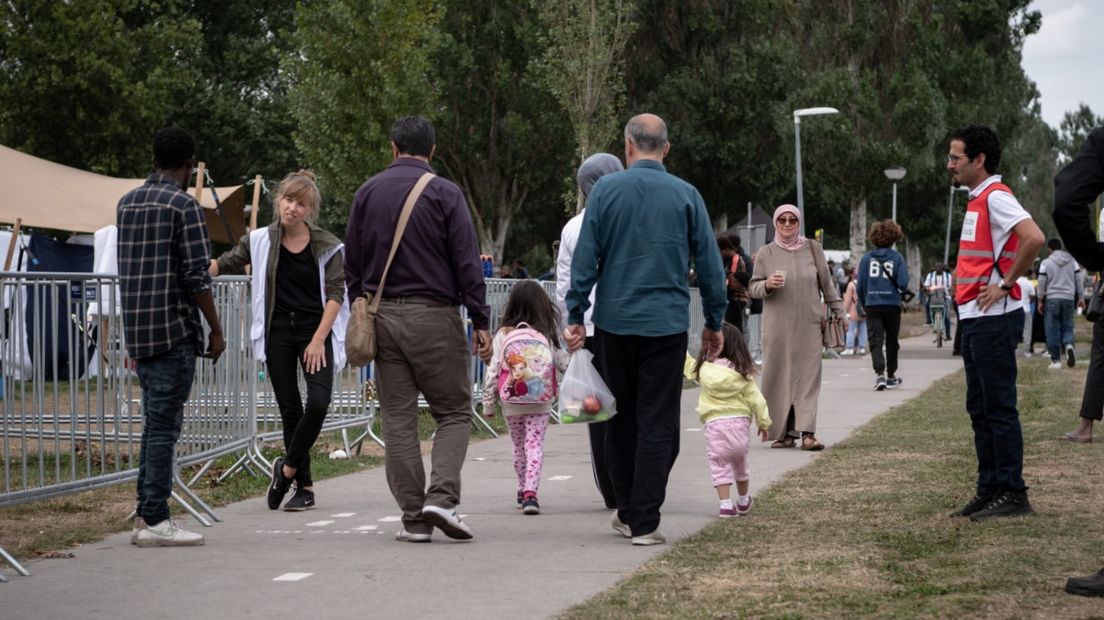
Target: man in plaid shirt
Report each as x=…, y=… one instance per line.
x=163, y=259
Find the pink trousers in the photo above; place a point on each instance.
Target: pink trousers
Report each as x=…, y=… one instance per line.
x=726, y=445
x=527, y=432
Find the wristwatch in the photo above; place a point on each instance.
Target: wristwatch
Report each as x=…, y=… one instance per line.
x=1006, y=287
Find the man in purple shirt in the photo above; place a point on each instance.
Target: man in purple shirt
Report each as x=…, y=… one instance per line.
x=421, y=341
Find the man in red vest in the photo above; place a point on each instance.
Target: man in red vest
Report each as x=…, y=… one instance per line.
x=998, y=244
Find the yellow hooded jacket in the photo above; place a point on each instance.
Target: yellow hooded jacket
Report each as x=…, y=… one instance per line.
x=725, y=393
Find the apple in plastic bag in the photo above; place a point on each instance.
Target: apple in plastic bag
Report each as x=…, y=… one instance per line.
x=592, y=405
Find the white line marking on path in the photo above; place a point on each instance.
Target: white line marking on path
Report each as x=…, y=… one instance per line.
x=365, y=528
x=390, y=519
x=293, y=577
x=318, y=523
x=558, y=478
x=479, y=458
x=342, y=515
x=693, y=430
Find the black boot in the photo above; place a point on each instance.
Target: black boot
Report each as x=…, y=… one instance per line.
x=1005, y=504
x=1089, y=585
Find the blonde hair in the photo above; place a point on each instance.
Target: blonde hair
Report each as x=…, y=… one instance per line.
x=299, y=186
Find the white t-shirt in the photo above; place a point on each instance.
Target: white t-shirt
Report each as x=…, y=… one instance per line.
x=1004, y=213
x=1027, y=289
x=568, y=238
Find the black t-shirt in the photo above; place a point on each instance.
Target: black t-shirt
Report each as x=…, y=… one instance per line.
x=298, y=288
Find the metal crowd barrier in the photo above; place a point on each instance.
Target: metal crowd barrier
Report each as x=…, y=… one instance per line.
x=71, y=405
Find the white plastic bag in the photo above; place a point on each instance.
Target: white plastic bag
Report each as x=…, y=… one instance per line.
x=584, y=397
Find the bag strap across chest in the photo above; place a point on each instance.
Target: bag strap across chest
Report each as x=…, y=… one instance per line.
x=400, y=227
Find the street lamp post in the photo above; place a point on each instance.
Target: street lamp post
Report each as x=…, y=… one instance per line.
x=950, y=205
x=797, y=114
x=895, y=174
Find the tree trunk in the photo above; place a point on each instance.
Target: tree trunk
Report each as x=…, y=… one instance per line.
x=858, y=230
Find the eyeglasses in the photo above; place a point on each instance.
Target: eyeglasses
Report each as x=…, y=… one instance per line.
x=954, y=159
x=787, y=220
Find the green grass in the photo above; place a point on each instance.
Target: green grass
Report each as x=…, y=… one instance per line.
x=862, y=531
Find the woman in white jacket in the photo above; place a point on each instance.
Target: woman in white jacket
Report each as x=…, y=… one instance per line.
x=299, y=316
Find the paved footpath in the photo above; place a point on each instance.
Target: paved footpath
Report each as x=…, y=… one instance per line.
x=342, y=561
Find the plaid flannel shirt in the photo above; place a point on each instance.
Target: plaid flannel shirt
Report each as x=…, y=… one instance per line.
x=163, y=253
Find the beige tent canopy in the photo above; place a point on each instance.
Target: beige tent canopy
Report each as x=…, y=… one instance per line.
x=50, y=195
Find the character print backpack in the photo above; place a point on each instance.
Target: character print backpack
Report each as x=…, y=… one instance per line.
x=526, y=374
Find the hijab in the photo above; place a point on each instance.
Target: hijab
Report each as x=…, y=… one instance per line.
x=795, y=241
x=595, y=167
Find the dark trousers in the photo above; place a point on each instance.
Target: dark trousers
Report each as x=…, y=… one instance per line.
x=642, y=441
x=288, y=338
x=597, y=432
x=1092, y=403
x=883, y=323
x=734, y=314
x=166, y=382
x=989, y=355
x=422, y=347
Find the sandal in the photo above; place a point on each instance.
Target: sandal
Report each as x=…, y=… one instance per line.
x=785, y=442
x=810, y=443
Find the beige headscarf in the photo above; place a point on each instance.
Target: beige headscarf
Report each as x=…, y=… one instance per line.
x=795, y=241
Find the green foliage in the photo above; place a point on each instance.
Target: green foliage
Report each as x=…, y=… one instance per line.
x=358, y=67
x=1075, y=129
x=88, y=83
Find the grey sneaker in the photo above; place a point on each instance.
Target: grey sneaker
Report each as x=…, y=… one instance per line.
x=413, y=537
x=880, y=383
x=654, y=538
x=302, y=500
x=167, y=534
x=448, y=521
x=139, y=525
x=621, y=527
x=893, y=383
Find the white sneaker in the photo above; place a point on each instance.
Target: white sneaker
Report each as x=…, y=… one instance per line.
x=448, y=521
x=167, y=534
x=848, y=352
x=862, y=351
x=1028, y=354
x=414, y=537
x=654, y=538
x=139, y=525
x=1055, y=366
x=619, y=525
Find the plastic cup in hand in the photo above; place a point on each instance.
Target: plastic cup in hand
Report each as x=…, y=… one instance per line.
x=782, y=274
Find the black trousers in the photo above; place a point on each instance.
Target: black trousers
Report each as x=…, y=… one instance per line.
x=642, y=440
x=883, y=324
x=287, y=339
x=734, y=314
x=597, y=432
x=1092, y=402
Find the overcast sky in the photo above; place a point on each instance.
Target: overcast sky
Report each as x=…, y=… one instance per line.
x=1065, y=58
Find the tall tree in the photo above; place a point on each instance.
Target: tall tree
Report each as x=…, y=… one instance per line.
x=584, y=62
x=499, y=137
x=359, y=65
x=1074, y=129
x=87, y=83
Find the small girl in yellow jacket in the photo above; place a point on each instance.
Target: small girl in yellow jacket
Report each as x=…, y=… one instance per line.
x=728, y=401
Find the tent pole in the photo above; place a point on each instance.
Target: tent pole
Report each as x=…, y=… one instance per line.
x=256, y=202
x=201, y=170
x=11, y=246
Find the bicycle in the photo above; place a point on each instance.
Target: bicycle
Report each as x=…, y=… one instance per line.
x=938, y=305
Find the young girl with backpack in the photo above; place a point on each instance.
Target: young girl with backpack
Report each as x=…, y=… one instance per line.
x=728, y=402
x=521, y=381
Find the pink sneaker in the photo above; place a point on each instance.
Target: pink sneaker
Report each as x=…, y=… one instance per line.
x=727, y=513
x=743, y=509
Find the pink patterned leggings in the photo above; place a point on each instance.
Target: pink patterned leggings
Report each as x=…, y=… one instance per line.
x=527, y=432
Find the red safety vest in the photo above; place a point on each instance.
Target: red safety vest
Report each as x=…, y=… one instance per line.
x=976, y=252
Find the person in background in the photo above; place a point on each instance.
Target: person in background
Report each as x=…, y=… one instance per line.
x=856, y=318
x=593, y=168
x=881, y=272
x=1058, y=294
x=938, y=284
x=163, y=281
x=299, y=318
x=738, y=278
x=1028, y=291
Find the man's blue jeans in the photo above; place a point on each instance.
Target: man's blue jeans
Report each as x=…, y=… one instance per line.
x=1058, y=323
x=989, y=355
x=166, y=381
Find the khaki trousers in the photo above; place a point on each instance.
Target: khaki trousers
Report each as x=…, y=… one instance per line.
x=422, y=348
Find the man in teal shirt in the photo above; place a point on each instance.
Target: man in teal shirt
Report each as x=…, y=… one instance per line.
x=642, y=228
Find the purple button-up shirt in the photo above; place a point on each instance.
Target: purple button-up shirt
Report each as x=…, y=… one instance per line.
x=438, y=256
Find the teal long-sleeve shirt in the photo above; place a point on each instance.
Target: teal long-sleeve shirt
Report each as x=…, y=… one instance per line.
x=641, y=229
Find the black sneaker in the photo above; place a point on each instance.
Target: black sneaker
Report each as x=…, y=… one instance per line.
x=1070, y=358
x=1005, y=504
x=893, y=383
x=1089, y=585
x=530, y=506
x=880, y=383
x=302, y=500
x=974, y=505
x=279, y=486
